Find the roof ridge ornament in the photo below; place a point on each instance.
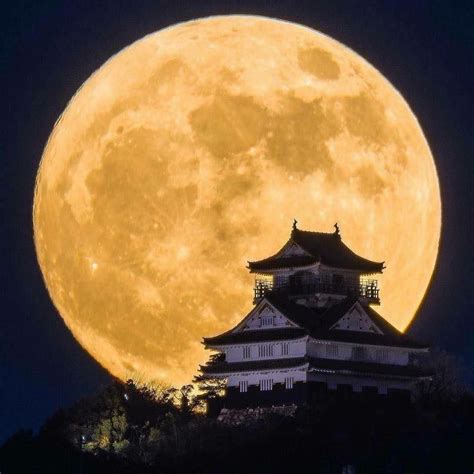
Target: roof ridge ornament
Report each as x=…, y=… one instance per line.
x=295, y=222
x=337, y=231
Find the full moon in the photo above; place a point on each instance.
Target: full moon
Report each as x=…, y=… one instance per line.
x=190, y=152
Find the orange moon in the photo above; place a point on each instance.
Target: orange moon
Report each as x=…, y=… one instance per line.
x=190, y=152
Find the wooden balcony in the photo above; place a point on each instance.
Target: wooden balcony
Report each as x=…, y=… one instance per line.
x=367, y=289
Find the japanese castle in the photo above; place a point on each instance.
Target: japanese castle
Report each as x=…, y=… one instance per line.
x=312, y=332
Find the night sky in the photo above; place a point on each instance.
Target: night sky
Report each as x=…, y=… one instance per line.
x=48, y=49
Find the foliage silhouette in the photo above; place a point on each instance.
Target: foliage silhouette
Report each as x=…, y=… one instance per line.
x=131, y=429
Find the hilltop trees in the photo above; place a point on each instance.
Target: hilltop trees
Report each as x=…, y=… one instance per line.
x=122, y=421
x=131, y=429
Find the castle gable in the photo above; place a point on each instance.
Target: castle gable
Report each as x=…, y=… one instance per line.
x=265, y=316
x=291, y=249
x=356, y=319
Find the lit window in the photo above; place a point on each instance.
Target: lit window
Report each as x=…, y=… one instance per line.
x=243, y=386
x=266, y=385
x=284, y=349
x=332, y=350
x=246, y=352
x=289, y=382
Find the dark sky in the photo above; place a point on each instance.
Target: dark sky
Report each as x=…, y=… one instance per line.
x=48, y=49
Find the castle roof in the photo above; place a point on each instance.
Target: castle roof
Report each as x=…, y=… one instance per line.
x=326, y=248
x=266, y=364
x=260, y=335
x=317, y=323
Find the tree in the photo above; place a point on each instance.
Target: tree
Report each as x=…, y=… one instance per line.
x=445, y=384
x=209, y=388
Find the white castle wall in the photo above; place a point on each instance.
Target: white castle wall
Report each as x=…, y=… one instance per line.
x=381, y=383
x=345, y=351
x=275, y=350
x=276, y=376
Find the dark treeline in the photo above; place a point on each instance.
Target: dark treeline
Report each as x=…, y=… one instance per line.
x=131, y=429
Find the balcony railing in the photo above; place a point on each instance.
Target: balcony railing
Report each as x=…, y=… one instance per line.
x=365, y=289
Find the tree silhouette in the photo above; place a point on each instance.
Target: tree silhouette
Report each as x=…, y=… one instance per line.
x=131, y=429
x=446, y=383
x=209, y=388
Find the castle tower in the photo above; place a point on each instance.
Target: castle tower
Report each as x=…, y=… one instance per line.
x=311, y=333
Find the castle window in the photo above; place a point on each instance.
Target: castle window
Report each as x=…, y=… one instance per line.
x=359, y=353
x=266, y=385
x=246, y=352
x=285, y=348
x=266, y=320
x=243, y=386
x=289, y=382
x=382, y=355
x=303, y=281
x=332, y=350
x=337, y=280
x=265, y=350
x=325, y=277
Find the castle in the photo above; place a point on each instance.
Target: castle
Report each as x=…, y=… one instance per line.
x=312, y=332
